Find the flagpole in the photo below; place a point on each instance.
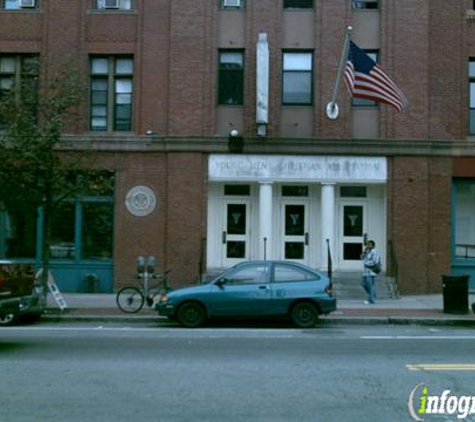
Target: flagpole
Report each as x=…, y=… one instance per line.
x=332, y=106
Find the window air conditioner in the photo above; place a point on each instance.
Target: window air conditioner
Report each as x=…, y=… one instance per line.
x=27, y=3
x=232, y=3
x=111, y=4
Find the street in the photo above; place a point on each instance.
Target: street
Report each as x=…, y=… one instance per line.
x=112, y=372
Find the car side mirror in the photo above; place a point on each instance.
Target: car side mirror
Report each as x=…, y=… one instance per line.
x=221, y=282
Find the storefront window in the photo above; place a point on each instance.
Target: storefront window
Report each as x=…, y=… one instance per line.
x=17, y=234
x=62, y=231
x=465, y=220
x=82, y=228
x=97, y=230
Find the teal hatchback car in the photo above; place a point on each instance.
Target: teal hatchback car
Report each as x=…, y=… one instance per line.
x=254, y=289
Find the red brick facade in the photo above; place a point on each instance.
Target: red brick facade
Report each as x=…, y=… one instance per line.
x=425, y=46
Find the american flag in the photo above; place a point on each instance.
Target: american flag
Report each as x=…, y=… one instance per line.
x=364, y=78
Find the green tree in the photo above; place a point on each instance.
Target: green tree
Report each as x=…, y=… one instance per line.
x=37, y=170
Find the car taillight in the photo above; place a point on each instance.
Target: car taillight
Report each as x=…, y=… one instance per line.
x=329, y=289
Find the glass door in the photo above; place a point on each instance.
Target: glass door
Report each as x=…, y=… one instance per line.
x=353, y=229
x=235, y=234
x=295, y=231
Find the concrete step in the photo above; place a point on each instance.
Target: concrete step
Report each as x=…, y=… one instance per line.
x=348, y=286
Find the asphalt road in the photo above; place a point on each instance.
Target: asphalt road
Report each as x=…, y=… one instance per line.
x=144, y=373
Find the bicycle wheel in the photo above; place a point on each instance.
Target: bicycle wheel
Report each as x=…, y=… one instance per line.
x=130, y=300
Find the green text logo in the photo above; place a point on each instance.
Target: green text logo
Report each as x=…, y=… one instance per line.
x=422, y=403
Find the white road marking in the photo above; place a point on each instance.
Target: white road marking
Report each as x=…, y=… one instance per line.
x=454, y=337
x=441, y=367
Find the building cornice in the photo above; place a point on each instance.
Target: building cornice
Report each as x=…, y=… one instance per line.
x=367, y=147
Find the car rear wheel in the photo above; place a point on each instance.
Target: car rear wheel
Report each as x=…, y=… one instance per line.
x=191, y=315
x=7, y=319
x=304, y=315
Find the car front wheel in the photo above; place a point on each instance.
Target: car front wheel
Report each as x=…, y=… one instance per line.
x=191, y=315
x=7, y=319
x=304, y=315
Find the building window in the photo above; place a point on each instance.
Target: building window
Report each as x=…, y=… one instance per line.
x=18, y=233
x=231, y=4
x=97, y=229
x=19, y=4
x=353, y=191
x=298, y=4
x=362, y=102
x=464, y=219
x=364, y=4
x=113, y=4
x=471, y=74
x=111, y=93
x=19, y=78
x=237, y=190
x=297, y=78
x=231, y=77
x=295, y=190
x=82, y=229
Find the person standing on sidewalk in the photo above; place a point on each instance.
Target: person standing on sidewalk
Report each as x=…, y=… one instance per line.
x=371, y=268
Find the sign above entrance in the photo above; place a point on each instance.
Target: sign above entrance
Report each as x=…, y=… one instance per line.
x=323, y=169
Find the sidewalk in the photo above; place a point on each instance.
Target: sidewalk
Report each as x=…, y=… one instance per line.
x=420, y=309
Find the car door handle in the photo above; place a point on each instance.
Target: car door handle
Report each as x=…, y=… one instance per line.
x=263, y=287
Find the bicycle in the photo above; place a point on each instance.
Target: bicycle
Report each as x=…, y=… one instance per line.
x=131, y=299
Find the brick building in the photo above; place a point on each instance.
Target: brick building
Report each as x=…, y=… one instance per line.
x=171, y=81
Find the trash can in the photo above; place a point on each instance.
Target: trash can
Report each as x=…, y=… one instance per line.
x=91, y=282
x=455, y=292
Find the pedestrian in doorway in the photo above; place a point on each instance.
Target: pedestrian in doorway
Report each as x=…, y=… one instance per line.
x=371, y=268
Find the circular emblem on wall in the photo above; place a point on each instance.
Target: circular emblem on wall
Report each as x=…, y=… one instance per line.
x=140, y=201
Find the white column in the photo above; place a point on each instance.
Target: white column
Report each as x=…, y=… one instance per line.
x=265, y=220
x=328, y=222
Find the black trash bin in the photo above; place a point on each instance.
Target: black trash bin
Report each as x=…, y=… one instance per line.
x=455, y=291
x=91, y=282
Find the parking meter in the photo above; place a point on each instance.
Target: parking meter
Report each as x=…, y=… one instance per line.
x=140, y=264
x=151, y=264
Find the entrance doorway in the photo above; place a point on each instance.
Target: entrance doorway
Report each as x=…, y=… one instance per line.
x=235, y=234
x=295, y=232
x=353, y=229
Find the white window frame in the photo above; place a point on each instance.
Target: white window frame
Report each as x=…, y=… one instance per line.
x=365, y=4
x=232, y=4
x=18, y=4
x=297, y=62
x=118, y=5
x=27, y=3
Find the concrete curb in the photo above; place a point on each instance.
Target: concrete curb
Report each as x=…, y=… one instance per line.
x=399, y=320
x=325, y=321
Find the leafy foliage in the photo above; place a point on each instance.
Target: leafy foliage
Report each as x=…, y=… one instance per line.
x=33, y=171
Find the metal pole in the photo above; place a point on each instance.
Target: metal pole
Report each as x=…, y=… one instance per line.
x=329, y=261
x=265, y=248
x=332, y=107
